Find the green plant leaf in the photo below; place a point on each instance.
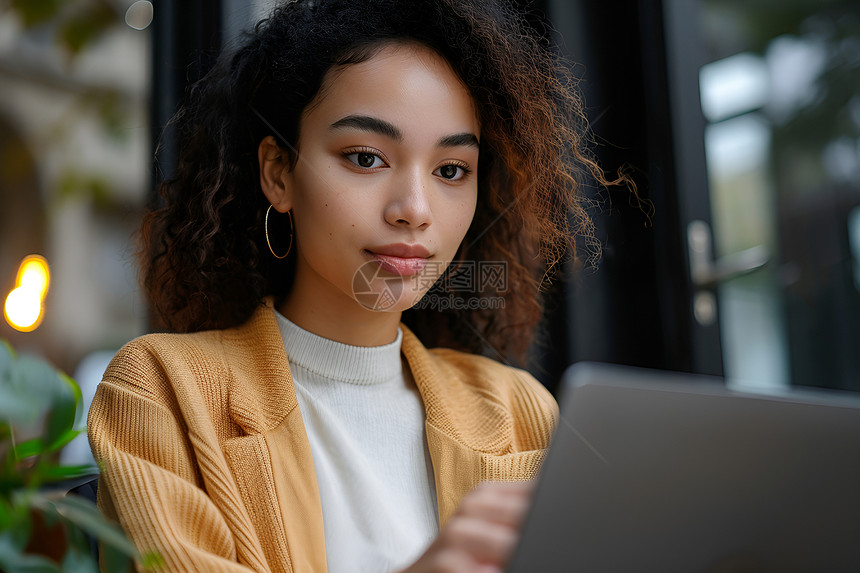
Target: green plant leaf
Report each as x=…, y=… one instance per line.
x=15, y=407
x=78, y=558
x=52, y=473
x=10, y=477
x=86, y=515
x=10, y=481
x=77, y=562
x=21, y=525
x=36, y=397
x=153, y=560
x=50, y=516
x=114, y=560
x=64, y=439
x=76, y=391
x=61, y=416
x=6, y=515
x=29, y=448
x=36, y=389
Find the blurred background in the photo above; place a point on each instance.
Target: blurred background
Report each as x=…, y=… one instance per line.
x=75, y=157
x=740, y=121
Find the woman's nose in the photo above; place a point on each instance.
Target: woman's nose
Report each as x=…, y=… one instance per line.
x=409, y=203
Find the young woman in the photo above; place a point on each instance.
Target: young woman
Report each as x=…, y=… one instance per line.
x=331, y=171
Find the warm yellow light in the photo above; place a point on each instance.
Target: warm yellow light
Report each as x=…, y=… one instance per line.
x=33, y=274
x=23, y=309
x=24, y=306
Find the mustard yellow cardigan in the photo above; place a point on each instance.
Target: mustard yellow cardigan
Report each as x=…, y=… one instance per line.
x=205, y=458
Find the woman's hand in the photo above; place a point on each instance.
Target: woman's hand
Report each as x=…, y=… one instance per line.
x=482, y=534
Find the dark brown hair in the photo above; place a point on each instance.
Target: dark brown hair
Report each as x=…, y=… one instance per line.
x=204, y=255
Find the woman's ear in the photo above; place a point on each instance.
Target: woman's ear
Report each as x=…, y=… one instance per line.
x=274, y=174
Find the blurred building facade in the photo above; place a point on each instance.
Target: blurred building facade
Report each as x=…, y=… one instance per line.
x=75, y=160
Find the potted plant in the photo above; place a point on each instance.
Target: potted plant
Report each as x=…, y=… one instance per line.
x=41, y=528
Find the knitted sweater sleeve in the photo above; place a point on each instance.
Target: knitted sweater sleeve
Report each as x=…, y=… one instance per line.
x=150, y=481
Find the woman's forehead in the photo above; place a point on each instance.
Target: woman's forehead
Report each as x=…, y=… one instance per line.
x=397, y=83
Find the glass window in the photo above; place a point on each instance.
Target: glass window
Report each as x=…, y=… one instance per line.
x=782, y=102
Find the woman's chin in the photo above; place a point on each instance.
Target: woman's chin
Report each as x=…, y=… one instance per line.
x=386, y=301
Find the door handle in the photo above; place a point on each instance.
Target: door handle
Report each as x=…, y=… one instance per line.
x=706, y=272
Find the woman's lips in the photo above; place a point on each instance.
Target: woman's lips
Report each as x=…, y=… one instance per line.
x=403, y=260
x=399, y=265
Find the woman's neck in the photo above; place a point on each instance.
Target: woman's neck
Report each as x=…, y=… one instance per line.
x=347, y=322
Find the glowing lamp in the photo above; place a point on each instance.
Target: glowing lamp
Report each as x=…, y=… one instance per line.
x=24, y=306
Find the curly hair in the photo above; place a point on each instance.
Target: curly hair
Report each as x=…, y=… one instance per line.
x=204, y=257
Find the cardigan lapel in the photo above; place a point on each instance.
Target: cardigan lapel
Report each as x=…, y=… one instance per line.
x=456, y=467
x=264, y=403
x=470, y=421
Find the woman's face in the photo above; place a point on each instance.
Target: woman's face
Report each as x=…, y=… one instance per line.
x=385, y=185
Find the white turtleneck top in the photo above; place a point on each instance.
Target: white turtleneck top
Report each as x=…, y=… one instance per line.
x=365, y=424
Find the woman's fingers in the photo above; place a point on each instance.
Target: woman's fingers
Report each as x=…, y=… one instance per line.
x=485, y=541
x=489, y=519
x=482, y=534
x=498, y=502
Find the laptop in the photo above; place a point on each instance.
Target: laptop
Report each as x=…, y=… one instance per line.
x=656, y=471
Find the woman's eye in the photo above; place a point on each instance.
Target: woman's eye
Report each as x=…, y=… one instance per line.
x=366, y=160
x=451, y=172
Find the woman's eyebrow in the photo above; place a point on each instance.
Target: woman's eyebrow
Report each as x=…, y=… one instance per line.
x=382, y=127
x=459, y=140
x=371, y=124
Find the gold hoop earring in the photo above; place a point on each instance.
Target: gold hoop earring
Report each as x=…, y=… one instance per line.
x=268, y=242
